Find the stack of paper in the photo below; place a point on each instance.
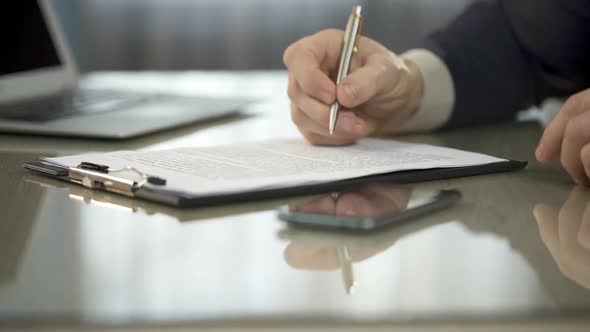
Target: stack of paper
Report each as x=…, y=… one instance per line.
x=278, y=164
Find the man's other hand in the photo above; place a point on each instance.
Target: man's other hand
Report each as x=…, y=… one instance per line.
x=568, y=137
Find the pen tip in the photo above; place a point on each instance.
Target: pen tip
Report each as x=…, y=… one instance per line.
x=351, y=288
x=333, y=117
x=333, y=120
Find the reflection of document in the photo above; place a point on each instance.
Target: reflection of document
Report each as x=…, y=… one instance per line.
x=279, y=163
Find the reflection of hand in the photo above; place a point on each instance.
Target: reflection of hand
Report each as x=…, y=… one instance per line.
x=373, y=199
x=567, y=137
x=369, y=200
x=383, y=90
x=318, y=257
x=567, y=235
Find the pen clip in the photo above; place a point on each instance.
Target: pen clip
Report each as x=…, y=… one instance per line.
x=358, y=34
x=350, y=42
x=357, y=27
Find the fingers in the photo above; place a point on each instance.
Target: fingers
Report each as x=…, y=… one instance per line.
x=307, y=113
x=573, y=252
x=312, y=119
x=550, y=145
x=316, y=115
x=577, y=136
x=567, y=136
x=323, y=205
x=348, y=126
x=311, y=257
x=378, y=75
x=571, y=215
x=306, y=60
x=390, y=197
x=353, y=205
x=327, y=140
x=547, y=217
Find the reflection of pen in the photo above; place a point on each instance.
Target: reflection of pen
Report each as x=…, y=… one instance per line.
x=349, y=47
x=346, y=266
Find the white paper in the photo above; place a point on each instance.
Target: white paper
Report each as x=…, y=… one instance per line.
x=278, y=163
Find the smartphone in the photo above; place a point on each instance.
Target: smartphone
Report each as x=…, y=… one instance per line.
x=369, y=208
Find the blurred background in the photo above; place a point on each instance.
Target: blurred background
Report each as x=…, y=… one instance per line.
x=229, y=34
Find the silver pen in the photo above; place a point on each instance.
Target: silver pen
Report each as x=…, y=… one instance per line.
x=346, y=267
x=349, y=47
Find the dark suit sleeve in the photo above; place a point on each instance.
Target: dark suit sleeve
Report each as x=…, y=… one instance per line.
x=507, y=55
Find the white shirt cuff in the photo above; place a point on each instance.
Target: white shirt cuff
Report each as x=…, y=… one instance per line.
x=439, y=92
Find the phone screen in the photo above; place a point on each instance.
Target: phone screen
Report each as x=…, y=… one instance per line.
x=369, y=207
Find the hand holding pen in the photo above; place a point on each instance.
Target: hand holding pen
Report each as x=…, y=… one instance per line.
x=349, y=47
x=379, y=94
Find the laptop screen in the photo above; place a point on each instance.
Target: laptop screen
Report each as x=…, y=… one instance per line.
x=26, y=40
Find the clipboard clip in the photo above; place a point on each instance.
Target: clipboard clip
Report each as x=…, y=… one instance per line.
x=97, y=176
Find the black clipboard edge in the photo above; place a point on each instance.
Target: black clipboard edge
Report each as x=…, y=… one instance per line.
x=186, y=201
x=404, y=177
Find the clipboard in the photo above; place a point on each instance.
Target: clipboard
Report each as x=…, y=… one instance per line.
x=153, y=188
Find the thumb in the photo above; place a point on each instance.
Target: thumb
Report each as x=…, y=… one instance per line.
x=381, y=73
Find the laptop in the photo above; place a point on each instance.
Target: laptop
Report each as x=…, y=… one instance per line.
x=40, y=88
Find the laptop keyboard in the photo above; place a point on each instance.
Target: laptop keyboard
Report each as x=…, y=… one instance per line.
x=81, y=102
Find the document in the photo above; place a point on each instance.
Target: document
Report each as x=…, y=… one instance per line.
x=278, y=163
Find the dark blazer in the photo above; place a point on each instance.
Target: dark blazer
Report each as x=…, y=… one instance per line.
x=507, y=55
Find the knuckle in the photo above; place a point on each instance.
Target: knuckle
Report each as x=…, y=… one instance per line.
x=290, y=52
x=294, y=50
